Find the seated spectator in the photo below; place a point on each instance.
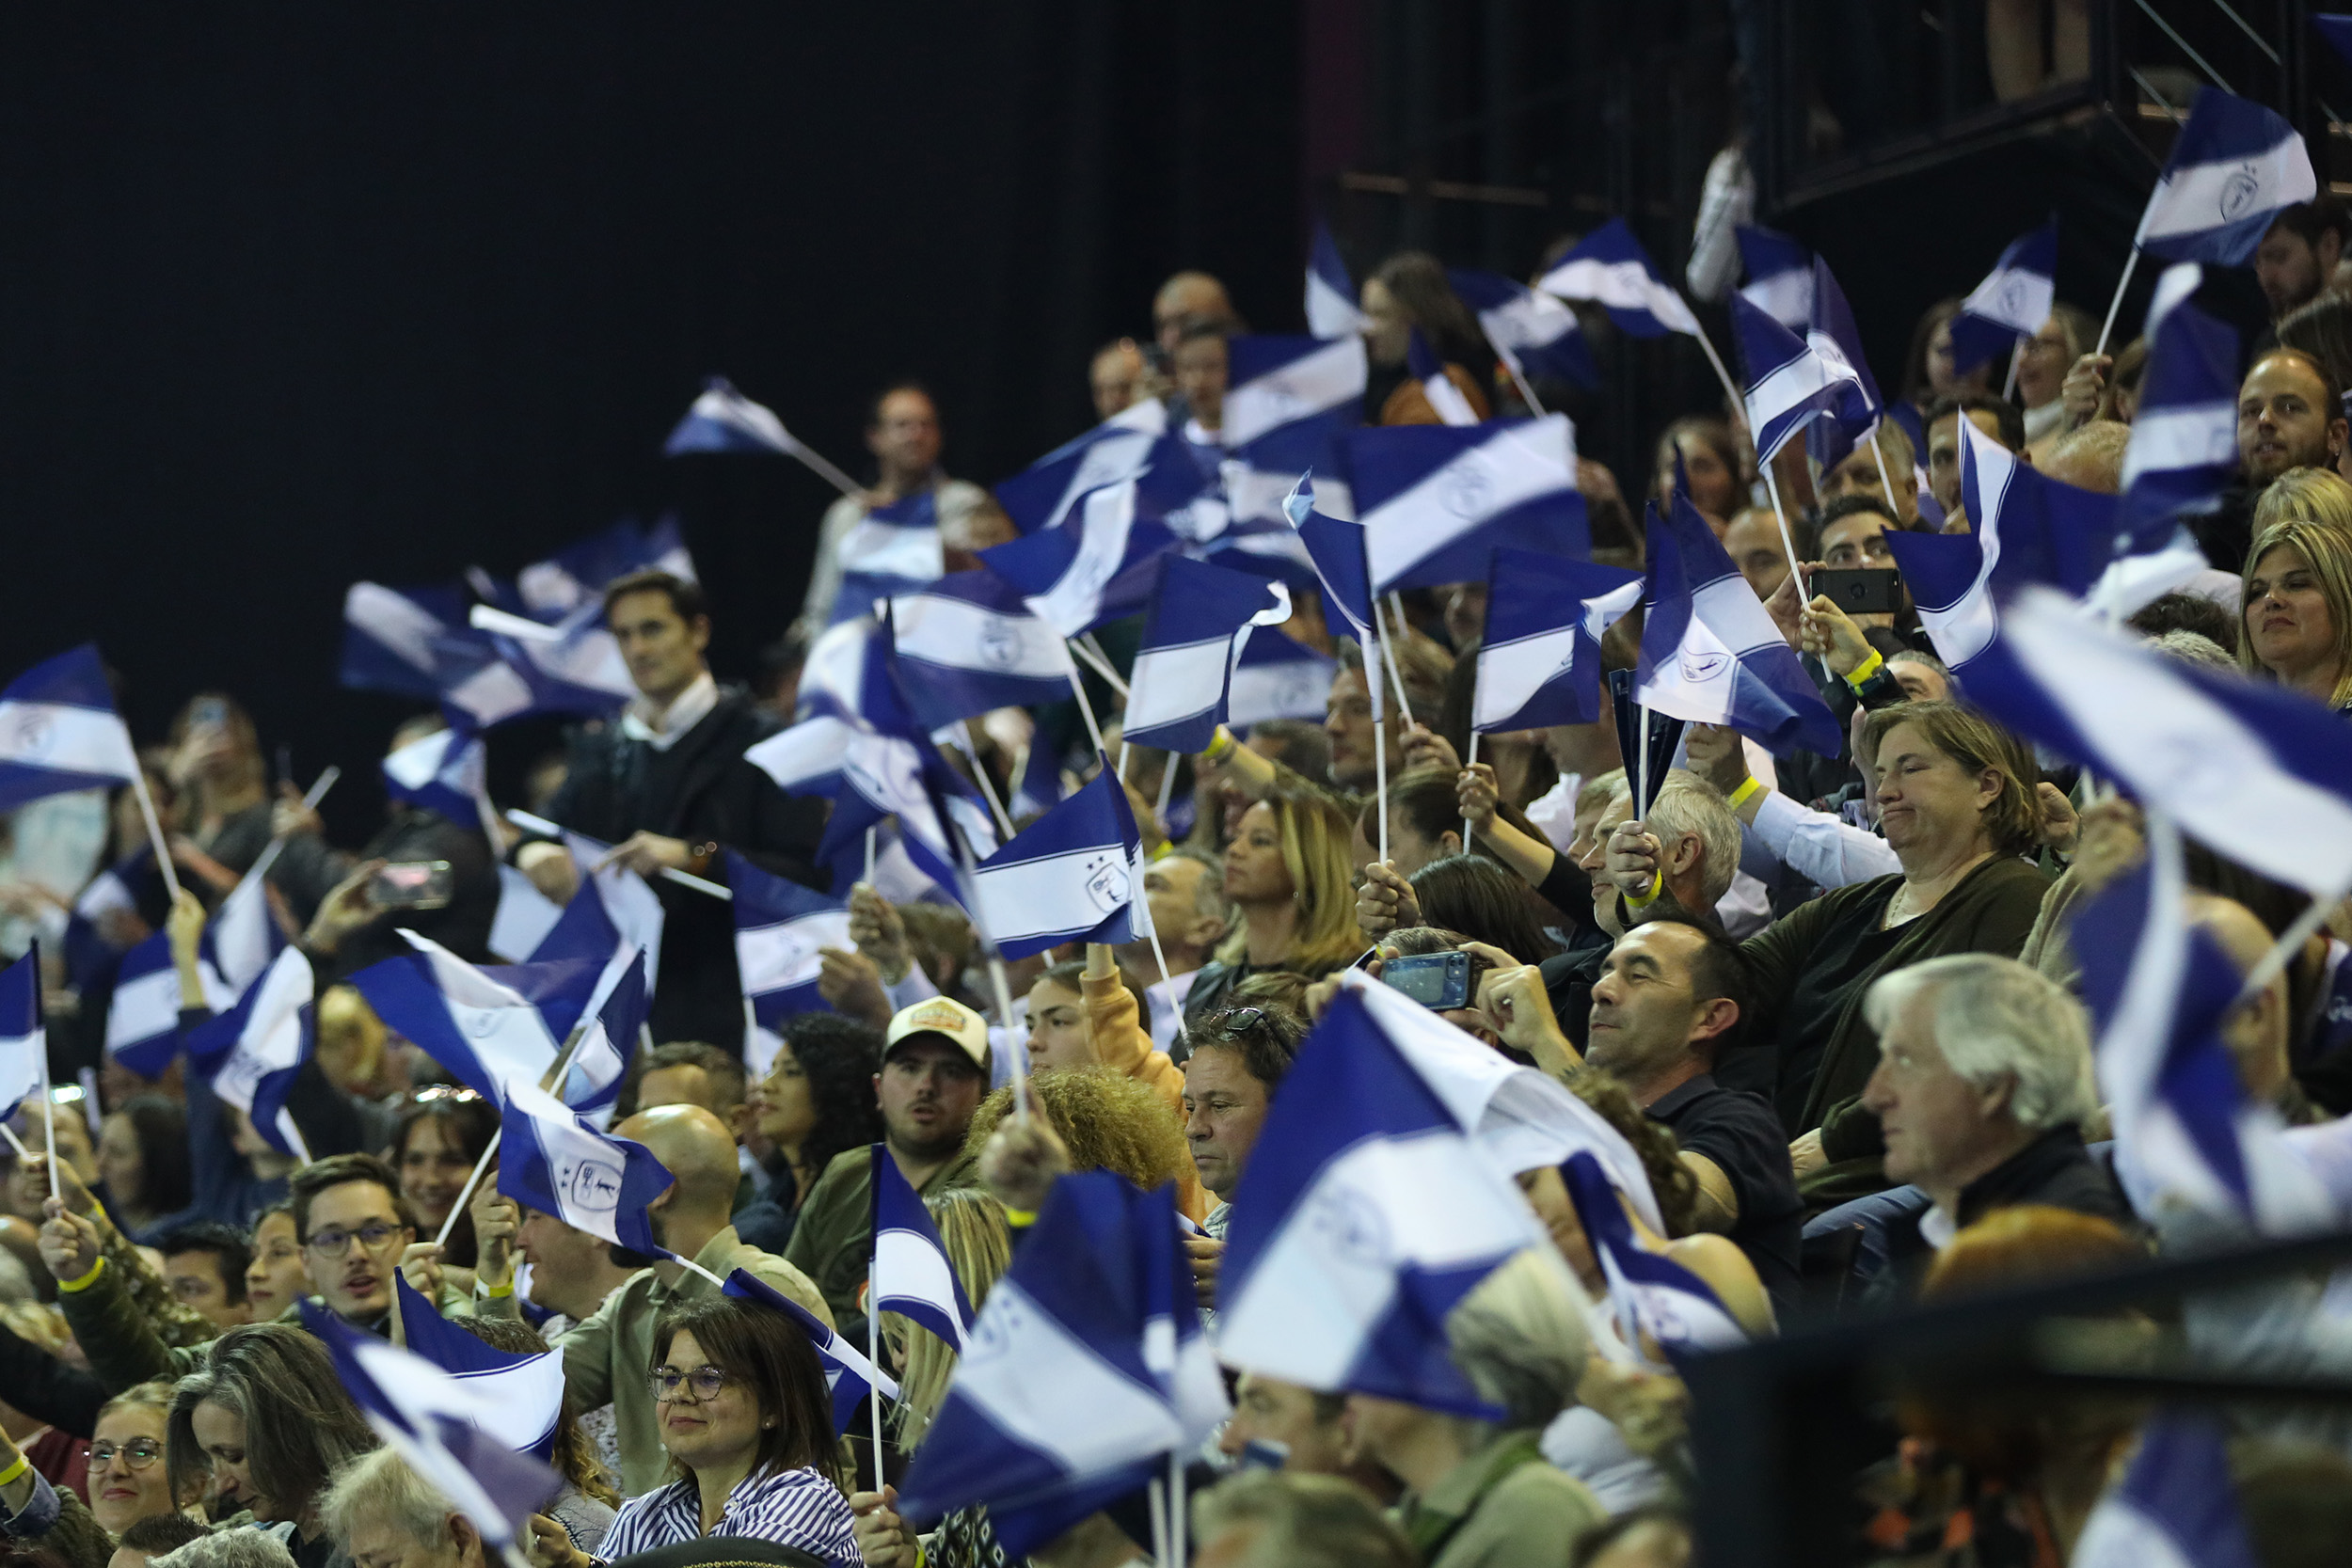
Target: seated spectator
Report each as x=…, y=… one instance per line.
x=1710, y=463
x=2297, y=613
x=141, y=1542
x=1994, y=418
x=1238, y=1060
x=230, y=1548
x=1185, y=298
x=1858, y=473
x=2296, y=259
x=1291, y=1519
x=2042, y=362
x=1101, y=1123
x=267, y=1418
x=437, y=1143
x=1114, y=377
x=586, y=1504
x=817, y=1102
x=275, y=1277
x=1756, y=549
x=380, y=1511
x=1472, y=894
x=205, y=1263
x=2289, y=416
x=1287, y=873
x=1347, y=716
x=1819, y=845
x=1185, y=889
x=1198, y=367
x=1928, y=375
x=142, y=1159
x=688, y=1073
x=129, y=1474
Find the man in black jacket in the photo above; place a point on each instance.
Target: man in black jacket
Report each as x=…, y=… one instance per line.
x=666, y=785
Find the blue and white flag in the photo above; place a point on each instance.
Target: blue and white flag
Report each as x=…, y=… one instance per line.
x=1532, y=333
x=490, y=1027
x=724, y=419
x=572, y=665
x=1123, y=447
x=442, y=1427
x=552, y=1160
x=1539, y=661
x=1331, y=309
x=23, y=1041
x=576, y=576
x=608, y=1041
x=1792, y=383
x=1611, y=269
x=408, y=641
x=1095, y=564
x=2183, y=448
x=1073, y=875
x=2256, y=772
x=1446, y=399
x=520, y=1392
x=1182, y=669
x=2014, y=300
x=2026, y=528
x=253, y=1051
x=1835, y=340
x=968, y=645
x=893, y=549
x=58, y=731
x=445, y=771
x=1039, y=789
x=525, y=916
x=780, y=930
x=911, y=1273
x=616, y=912
x=241, y=940
x=1278, y=677
x=1436, y=502
x=2185, y=1132
x=1780, y=276
x=1056, y=1406
x=849, y=1377
x=1336, y=549
x=2175, y=1507
x=1654, y=1296
x=91, y=952
x=1365, y=1216
x=1710, y=654
x=1277, y=382
x=2234, y=166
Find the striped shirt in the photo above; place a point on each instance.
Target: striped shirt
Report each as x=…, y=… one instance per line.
x=792, y=1508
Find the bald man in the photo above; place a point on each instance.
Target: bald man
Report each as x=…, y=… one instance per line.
x=1187, y=299
x=2257, y=1032
x=605, y=1357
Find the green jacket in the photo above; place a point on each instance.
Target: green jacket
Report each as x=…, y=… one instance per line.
x=834, y=1238
x=1503, y=1506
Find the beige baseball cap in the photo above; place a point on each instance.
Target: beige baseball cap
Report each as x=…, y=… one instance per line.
x=939, y=1015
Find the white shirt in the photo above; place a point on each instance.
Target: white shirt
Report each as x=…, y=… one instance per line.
x=662, y=730
x=1826, y=851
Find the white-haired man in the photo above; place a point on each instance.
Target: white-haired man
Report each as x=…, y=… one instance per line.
x=383, y=1515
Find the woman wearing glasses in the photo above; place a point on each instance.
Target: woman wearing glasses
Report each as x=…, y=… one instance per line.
x=744, y=1411
x=129, y=1477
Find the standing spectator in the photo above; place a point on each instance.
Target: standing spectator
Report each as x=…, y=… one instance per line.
x=2290, y=415
x=668, y=787
x=1201, y=368
x=1409, y=293
x=1187, y=298
x=1115, y=377
x=902, y=432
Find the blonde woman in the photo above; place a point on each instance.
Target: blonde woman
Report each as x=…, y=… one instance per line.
x=2297, y=607
x=1289, y=874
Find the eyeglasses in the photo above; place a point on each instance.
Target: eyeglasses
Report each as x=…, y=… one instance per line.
x=1239, y=1022
x=442, y=1091
x=372, y=1236
x=708, y=1383
x=136, y=1454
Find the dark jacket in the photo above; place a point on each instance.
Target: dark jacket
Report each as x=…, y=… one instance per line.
x=2054, y=1170
x=700, y=790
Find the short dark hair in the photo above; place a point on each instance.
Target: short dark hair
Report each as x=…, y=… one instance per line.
x=2008, y=420
x=2179, y=611
x=1472, y=894
x=1265, y=1039
x=2309, y=220
x=228, y=1246
x=726, y=1073
x=1718, y=967
x=159, y=1533
x=685, y=594
x=304, y=1186
x=1856, y=505
x=769, y=1354
x=1302, y=747
x=904, y=383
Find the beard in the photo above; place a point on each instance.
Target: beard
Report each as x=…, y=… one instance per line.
x=909, y=1140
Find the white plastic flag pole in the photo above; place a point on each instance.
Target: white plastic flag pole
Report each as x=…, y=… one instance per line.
x=1641, y=763
x=1884, y=482
x=1379, y=734
x=15, y=1142
x=553, y=1084
x=988, y=791
x=869, y=854
x=998, y=982
x=1396, y=678
x=1471, y=763
x=1095, y=660
x=2289, y=946
x=1077, y=688
x=822, y=467
x=1787, y=540
x=2117, y=303
x=1168, y=789
x=49, y=1124
x=1126, y=748
x=1176, y=1508
x=2008, y=382
x=276, y=847
x=1731, y=387
x=1525, y=391
x=1158, y=1493
x=155, y=833
x=873, y=1353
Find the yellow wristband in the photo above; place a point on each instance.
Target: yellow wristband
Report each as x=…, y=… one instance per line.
x=1221, y=745
x=1642, y=902
x=70, y=1285
x=1740, y=795
x=1864, y=670
x=1020, y=1216
x=15, y=1471
x=499, y=1293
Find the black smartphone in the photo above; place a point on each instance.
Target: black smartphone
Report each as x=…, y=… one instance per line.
x=1862, y=591
x=412, y=885
x=1440, y=981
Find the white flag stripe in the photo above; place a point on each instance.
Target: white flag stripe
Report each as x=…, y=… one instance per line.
x=780, y=957
x=521, y=1404
x=2199, y=435
x=1699, y=683
x=1173, y=683
x=503, y=1030
x=67, y=739
x=143, y=1008
x=2207, y=195
x=1026, y=1373
x=907, y=1267
x=957, y=632
x=1310, y=384
x=493, y=692
x=1787, y=386
x=1104, y=521
x=1111, y=460
x=1077, y=890
x=525, y=916
x=2119, y=1535
x=395, y=619
x=1785, y=296
x=1515, y=464
x=1329, y=312
x=807, y=752
x=1511, y=673
x=2015, y=298
x=893, y=549
x=731, y=409
x=1625, y=286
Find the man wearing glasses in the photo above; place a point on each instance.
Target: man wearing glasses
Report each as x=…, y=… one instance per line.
x=354, y=1228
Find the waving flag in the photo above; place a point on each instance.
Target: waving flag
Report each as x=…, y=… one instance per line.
x=253, y=1051
x=1532, y=333
x=519, y=1394
x=2028, y=527
x=849, y=1377
x=241, y=940
x=1182, y=669
x=780, y=928
x=2013, y=301
x=1056, y=1406
x=1094, y=565
x=2234, y=165
x=1653, y=1294
x=444, y=772
x=2183, y=448
x=1436, y=502
x=90, y=951
x=525, y=916
x=1336, y=549
x=724, y=419
x=58, y=731
x=2175, y=1506
x=577, y=576
x=551, y=1160
x=894, y=549
x=441, y=1427
x=911, y=1273
x=1365, y=1216
x=1780, y=276
x=1291, y=399
x=1611, y=269
x=1331, y=310
x=1122, y=448
x=1539, y=662
x=968, y=645
x=615, y=912
x=1073, y=875
x=1710, y=654
x=408, y=641
x=490, y=1027
x=1278, y=677
x=1833, y=338
x=571, y=666
x=1422, y=363
x=1792, y=383
x=2261, y=774
x=2184, y=1131
x=23, y=1041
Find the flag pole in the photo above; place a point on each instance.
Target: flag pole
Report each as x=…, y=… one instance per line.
x=988, y=789
x=998, y=982
x=1388, y=656
x=49, y=1120
x=1125, y=747
x=1077, y=690
x=154, y=830
x=1379, y=739
x=1731, y=387
x=2017, y=351
x=823, y=468
x=2117, y=303
x=1886, y=484
x=873, y=1353
x=1787, y=540
x=1176, y=1508
x=552, y=1083
x=15, y=1142
x=1520, y=381
x=1167, y=788
x=869, y=854
x=1470, y=763
x=1091, y=653
x=2289, y=946
x=1158, y=1493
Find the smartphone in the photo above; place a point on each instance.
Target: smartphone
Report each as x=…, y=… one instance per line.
x=1440, y=981
x=410, y=885
x=1863, y=591
x=211, y=713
